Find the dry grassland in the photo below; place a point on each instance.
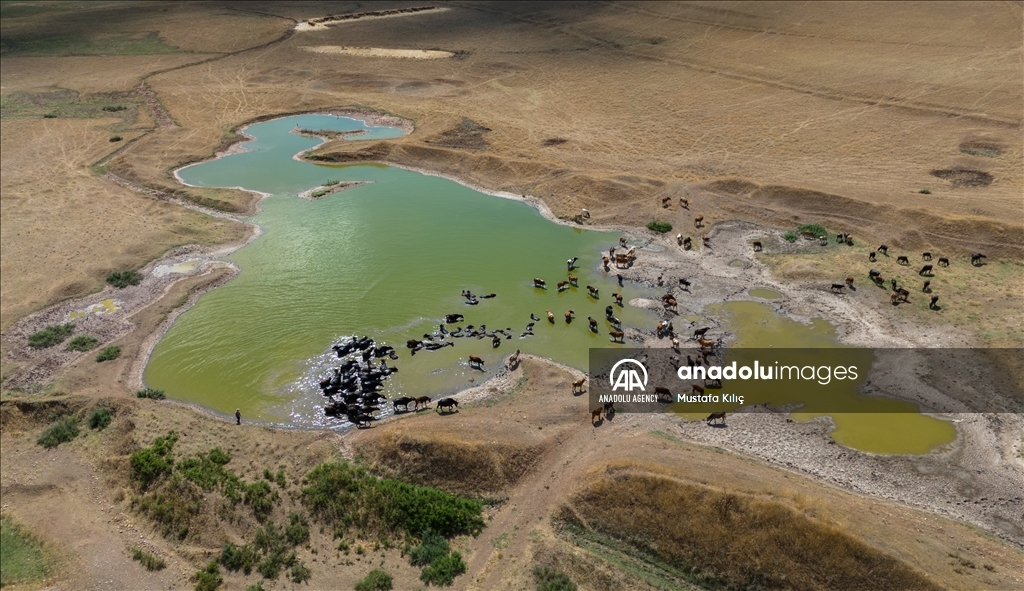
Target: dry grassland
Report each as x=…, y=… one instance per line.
x=64, y=229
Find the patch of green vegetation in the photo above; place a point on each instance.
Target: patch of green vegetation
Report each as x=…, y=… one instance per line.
x=236, y=558
x=100, y=418
x=661, y=227
x=60, y=432
x=150, y=463
x=209, y=578
x=172, y=506
x=69, y=104
x=257, y=586
x=261, y=499
x=925, y=192
x=150, y=561
x=151, y=393
x=551, y=579
x=343, y=495
x=444, y=570
x=817, y=229
x=790, y=236
x=50, y=336
x=82, y=343
x=299, y=572
x=331, y=183
x=297, y=530
x=108, y=354
x=440, y=564
x=375, y=580
x=276, y=551
x=432, y=546
x=23, y=559
x=206, y=470
x=115, y=138
x=114, y=108
x=85, y=43
x=122, y=279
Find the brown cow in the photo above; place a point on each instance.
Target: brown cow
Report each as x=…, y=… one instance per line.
x=563, y=285
x=663, y=392
x=618, y=298
x=595, y=414
x=551, y=317
x=715, y=416
x=474, y=360
x=424, y=400
x=578, y=384
x=616, y=335
x=684, y=203
x=698, y=221
x=538, y=282
x=573, y=279
x=568, y=316
x=697, y=389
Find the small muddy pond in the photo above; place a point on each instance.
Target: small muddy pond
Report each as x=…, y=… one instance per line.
x=886, y=426
x=386, y=259
x=764, y=294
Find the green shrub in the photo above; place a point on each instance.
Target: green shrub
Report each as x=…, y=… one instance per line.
x=108, y=354
x=343, y=496
x=50, y=116
x=209, y=578
x=331, y=491
x=661, y=227
x=279, y=478
x=376, y=580
x=331, y=183
x=414, y=509
x=297, y=530
x=50, y=336
x=150, y=463
x=299, y=573
x=206, y=470
x=151, y=393
x=100, y=418
x=116, y=138
x=60, y=432
x=122, y=279
x=259, y=496
x=172, y=506
x=790, y=236
x=551, y=579
x=925, y=192
x=114, y=108
x=235, y=558
x=817, y=229
x=432, y=547
x=443, y=570
x=150, y=561
x=257, y=586
x=82, y=343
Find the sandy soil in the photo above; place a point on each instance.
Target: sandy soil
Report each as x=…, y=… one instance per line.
x=321, y=23
x=416, y=54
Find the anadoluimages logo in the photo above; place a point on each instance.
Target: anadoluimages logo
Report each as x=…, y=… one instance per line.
x=627, y=378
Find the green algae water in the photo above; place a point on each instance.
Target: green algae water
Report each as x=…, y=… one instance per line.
x=885, y=426
x=386, y=259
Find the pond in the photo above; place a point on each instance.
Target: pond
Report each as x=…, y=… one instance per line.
x=387, y=259
x=885, y=426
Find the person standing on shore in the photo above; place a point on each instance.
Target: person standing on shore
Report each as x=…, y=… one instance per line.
x=238, y=416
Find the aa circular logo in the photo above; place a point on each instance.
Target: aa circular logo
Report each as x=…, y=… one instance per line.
x=625, y=374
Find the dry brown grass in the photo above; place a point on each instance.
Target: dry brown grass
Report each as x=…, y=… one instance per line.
x=64, y=229
x=451, y=462
x=731, y=541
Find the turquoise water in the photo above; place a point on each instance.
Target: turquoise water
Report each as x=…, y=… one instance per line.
x=388, y=260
